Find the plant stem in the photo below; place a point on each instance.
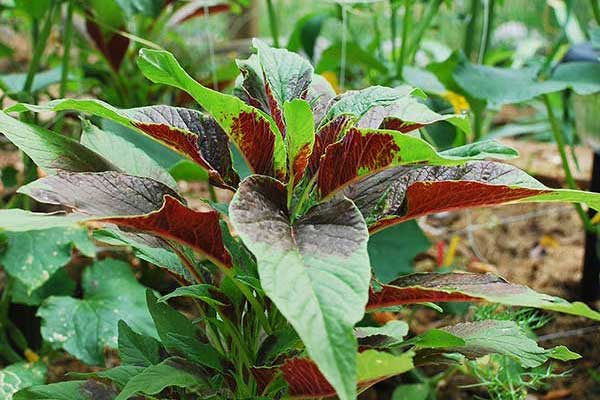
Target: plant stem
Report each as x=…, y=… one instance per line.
x=425, y=22
x=486, y=31
x=273, y=23
x=393, y=28
x=38, y=51
x=477, y=124
x=596, y=10
x=403, y=44
x=546, y=67
x=560, y=143
x=470, y=31
x=212, y=194
x=64, y=73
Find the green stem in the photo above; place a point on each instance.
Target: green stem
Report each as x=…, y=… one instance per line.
x=471, y=26
x=38, y=51
x=211, y=193
x=64, y=73
x=477, y=124
x=547, y=66
x=486, y=30
x=560, y=143
x=273, y=23
x=425, y=22
x=596, y=10
x=393, y=28
x=403, y=44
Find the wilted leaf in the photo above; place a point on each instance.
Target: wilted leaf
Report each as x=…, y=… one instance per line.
x=316, y=270
x=83, y=327
x=451, y=287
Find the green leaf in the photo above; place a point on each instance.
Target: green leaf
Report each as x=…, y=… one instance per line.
x=35, y=8
x=34, y=256
x=306, y=31
x=582, y=77
x=136, y=349
x=148, y=248
x=562, y=353
x=21, y=375
x=482, y=150
x=172, y=372
x=70, y=390
x=124, y=154
x=202, y=292
x=149, y=8
x=496, y=337
x=359, y=102
x=16, y=220
x=373, y=365
x=186, y=170
x=262, y=147
x=316, y=271
x=412, y=391
x=179, y=335
x=50, y=151
x=300, y=137
x=452, y=287
x=15, y=82
x=393, y=250
x=190, y=133
x=83, y=327
x=382, y=336
x=437, y=338
x=119, y=375
x=59, y=284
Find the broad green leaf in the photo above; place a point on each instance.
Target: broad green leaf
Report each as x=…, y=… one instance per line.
x=59, y=284
x=496, y=337
x=262, y=146
x=433, y=287
x=119, y=375
x=359, y=102
x=382, y=336
x=188, y=132
x=179, y=335
x=148, y=248
x=392, y=251
x=423, y=79
x=19, y=376
x=83, y=327
x=35, y=8
x=373, y=365
x=52, y=152
x=483, y=149
x=186, y=170
x=16, y=220
x=69, y=390
x=316, y=271
x=15, y=82
x=136, y=349
x=412, y=391
x=582, y=77
x=300, y=137
x=172, y=372
x=402, y=193
x=124, y=154
x=34, y=256
x=437, y=338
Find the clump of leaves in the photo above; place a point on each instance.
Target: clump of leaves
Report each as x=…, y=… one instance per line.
x=278, y=296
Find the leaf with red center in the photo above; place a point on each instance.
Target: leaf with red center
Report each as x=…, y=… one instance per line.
x=254, y=133
x=188, y=132
x=134, y=202
x=306, y=381
x=402, y=193
x=406, y=115
x=273, y=77
x=432, y=287
x=299, y=139
x=326, y=135
x=362, y=152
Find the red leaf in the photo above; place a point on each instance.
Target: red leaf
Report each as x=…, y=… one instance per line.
x=300, y=163
x=305, y=380
x=356, y=151
x=114, y=50
x=256, y=141
x=396, y=124
x=328, y=134
x=174, y=221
